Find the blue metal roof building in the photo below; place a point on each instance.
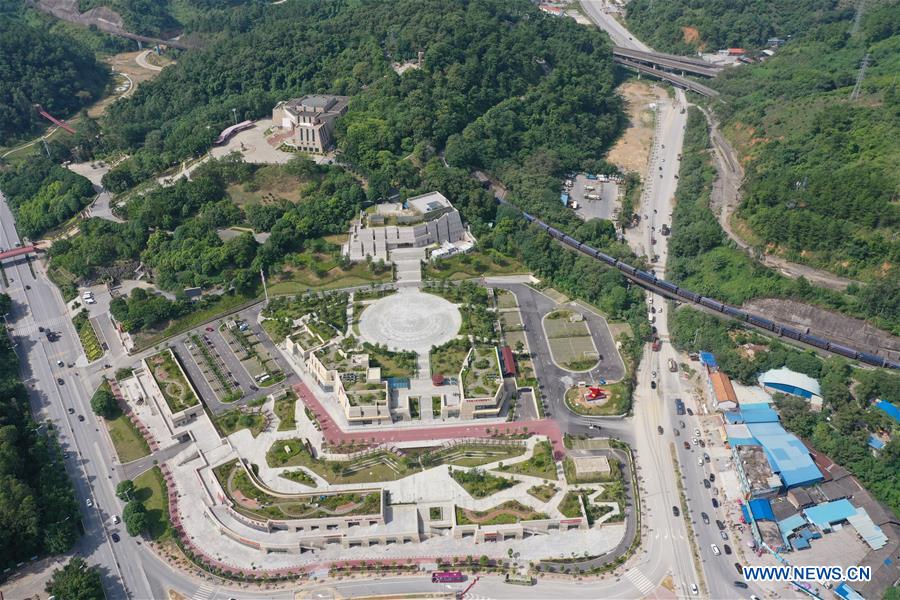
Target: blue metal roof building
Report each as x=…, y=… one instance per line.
x=786, y=453
x=875, y=443
x=564, y=198
x=791, y=382
x=889, y=409
x=753, y=413
x=708, y=360
x=823, y=515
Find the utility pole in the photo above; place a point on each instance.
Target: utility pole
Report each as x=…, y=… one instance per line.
x=265, y=289
x=234, y=114
x=859, y=78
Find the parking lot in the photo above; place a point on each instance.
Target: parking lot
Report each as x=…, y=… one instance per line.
x=228, y=367
x=591, y=208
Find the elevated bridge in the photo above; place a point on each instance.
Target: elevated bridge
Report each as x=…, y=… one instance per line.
x=661, y=60
x=682, y=82
x=14, y=252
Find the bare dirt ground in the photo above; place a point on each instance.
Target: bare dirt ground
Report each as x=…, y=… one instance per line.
x=826, y=323
x=132, y=75
x=632, y=151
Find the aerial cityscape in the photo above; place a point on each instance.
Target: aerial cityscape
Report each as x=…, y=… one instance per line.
x=464, y=299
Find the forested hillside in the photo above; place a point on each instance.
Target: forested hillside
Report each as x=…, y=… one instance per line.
x=38, y=513
x=821, y=169
x=689, y=26
x=168, y=18
x=56, y=71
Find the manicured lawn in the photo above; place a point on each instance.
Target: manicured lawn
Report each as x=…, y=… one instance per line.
x=378, y=467
x=436, y=406
x=543, y=492
x=235, y=420
x=539, y=465
x=616, y=404
x=474, y=264
x=393, y=364
x=475, y=455
x=175, y=389
x=129, y=443
x=480, y=484
x=150, y=489
x=285, y=408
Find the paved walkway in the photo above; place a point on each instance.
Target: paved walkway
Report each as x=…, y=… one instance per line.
x=334, y=435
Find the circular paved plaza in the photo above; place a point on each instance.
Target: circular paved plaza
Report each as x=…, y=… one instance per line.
x=410, y=320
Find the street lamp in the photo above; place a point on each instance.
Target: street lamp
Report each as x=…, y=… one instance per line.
x=234, y=114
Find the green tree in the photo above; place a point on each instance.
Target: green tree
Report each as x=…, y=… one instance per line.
x=76, y=581
x=125, y=490
x=135, y=517
x=5, y=304
x=104, y=403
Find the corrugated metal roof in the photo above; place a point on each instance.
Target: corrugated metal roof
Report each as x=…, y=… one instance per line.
x=722, y=387
x=787, y=377
x=824, y=514
x=876, y=443
x=867, y=529
x=753, y=413
x=707, y=359
x=787, y=454
x=789, y=525
x=762, y=510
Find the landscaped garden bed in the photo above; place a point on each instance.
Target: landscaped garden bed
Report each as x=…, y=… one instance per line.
x=504, y=514
x=176, y=390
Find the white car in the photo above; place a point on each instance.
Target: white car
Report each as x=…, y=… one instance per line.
x=116, y=519
x=700, y=461
x=694, y=589
x=715, y=549
x=89, y=503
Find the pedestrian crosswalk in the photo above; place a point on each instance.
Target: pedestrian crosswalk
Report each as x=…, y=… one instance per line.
x=205, y=592
x=640, y=581
x=32, y=328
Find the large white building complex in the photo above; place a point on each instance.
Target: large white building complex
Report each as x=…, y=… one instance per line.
x=421, y=221
x=310, y=120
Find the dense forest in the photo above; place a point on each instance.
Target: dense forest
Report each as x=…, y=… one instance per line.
x=821, y=175
x=689, y=26
x=703, y=259
x=38, y=513
x=503, y=86
x=42, y=194
x=37, y=67
x=168, y=18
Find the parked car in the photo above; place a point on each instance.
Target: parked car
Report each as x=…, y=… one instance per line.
x=705, y=517
x=726, y=548
x=81, y=418
x=712, y=476
x=116, y=519
x=71, y=411
x=700, y=461
x=706, y=483
x=740, y=584
x=724, y=534
x=659, y=429
x=739, y=568
x=681, y=424
x=694, y=589
x=715, y=549
x=89, y=503
x=675, y=511
x=115, y=537
x=652, y=385
x=60, y=363
x=687, y=446
x=706, y=457
x=715, y=503
x=690, y=412
x=59, y=381
x=696, y=432
x=720, y=524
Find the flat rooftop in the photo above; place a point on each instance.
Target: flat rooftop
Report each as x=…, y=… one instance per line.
x=757, y=468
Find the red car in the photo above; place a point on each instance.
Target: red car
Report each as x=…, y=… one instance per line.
x=210, y=329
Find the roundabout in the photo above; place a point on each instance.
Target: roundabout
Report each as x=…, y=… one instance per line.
x=410, y=320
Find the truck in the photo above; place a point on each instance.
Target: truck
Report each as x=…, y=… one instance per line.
x=665, y=229
x=592, y=196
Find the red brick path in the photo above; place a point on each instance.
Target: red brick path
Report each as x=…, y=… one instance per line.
x=335, y=436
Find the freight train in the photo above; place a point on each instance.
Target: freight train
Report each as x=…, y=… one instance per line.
x=649, y=279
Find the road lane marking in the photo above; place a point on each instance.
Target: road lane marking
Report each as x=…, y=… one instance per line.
x=640, y=581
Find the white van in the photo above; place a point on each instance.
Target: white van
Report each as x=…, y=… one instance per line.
x=87, y=295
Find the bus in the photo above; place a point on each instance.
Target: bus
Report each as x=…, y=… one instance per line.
x=447, y=577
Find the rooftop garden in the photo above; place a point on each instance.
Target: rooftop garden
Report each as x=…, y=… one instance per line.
x=482, y=375
x=543, y=492
x=481, y=484
x=254, y=502
x=540, y=464
x=393, y=364
x=176, y=391
x=503, y=514
x=330, y=311
x=447, y=359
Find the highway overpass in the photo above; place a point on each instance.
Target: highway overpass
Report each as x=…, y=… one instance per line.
x=682, y=82
x=683, y=64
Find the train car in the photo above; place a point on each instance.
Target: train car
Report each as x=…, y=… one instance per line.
x=590, y=251
x=556, y=233
x=814, y=341
x=871, y=359
x=760, y=322
x=692, y=296
x=645, y=276
x=567, y=239
x=710, y=303
x=525, y=215
x=842, y=350
x=733, y=312
x=791, y=333
x=625, y=267
x=606, y=258
x=667, y=285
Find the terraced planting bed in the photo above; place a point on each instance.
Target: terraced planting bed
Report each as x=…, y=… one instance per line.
x=507, y=513
x=285, y=410
x=235, y=420
x=176, y=390
x=544, y=492
x=250, y=500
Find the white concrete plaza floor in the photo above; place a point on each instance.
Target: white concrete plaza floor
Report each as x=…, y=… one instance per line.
x=410, y=320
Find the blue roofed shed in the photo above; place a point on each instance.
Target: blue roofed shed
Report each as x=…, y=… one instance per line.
x=889, y=409
x=564, y=198
x=790, y=382
x=823, y=515
x=786, y=453
x=875, y=443
x=847, y=592
x=708, y=360
x=753, y=413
